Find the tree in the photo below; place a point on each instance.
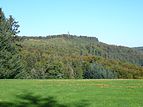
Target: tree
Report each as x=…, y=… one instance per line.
x=54, y=69
x=97, y=71
x=10, y=61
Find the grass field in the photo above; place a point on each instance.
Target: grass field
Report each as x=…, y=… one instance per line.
x=71, y=93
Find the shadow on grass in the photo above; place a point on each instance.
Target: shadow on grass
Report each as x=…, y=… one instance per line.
x=31, y=100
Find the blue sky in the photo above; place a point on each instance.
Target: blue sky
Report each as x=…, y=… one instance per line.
x=118, y=22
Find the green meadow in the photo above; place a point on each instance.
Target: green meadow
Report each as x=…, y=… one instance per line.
x=71, y=93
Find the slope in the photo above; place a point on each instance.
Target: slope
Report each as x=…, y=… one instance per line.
x=70, y=56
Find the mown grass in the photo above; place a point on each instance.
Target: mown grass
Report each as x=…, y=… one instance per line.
x=71, y=93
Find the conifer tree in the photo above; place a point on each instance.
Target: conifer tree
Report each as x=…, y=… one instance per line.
x=10, y=62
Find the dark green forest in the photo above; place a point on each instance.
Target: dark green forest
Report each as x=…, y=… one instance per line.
x=64, y=56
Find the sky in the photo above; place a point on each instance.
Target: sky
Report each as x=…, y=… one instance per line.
x=118, y=22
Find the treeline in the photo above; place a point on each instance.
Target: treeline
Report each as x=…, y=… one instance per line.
x=65, y=36
x=63, y=56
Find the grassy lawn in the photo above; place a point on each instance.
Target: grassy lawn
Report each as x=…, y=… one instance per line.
x=71, y=93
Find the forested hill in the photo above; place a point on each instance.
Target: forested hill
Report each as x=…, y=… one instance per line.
x=70, y=56
x=82, y=45
x=139, y=48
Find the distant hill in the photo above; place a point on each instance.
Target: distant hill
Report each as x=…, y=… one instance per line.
x=83, y=45
x=71, y=56
x=139, y=48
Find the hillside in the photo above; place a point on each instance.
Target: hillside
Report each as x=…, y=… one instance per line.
x=139, y=48
x=70, y=56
